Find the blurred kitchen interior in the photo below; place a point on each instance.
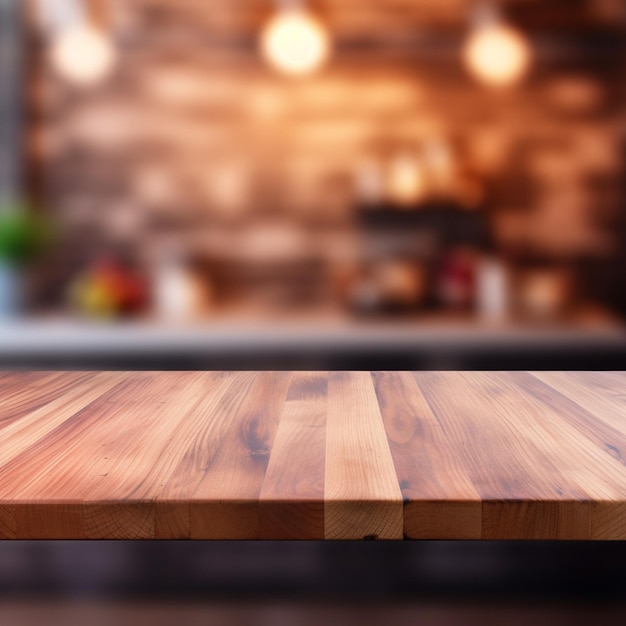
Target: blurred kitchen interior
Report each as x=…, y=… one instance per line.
x=362, y=184
x=349, y=184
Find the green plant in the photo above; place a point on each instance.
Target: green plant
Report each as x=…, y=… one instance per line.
x=23, y=234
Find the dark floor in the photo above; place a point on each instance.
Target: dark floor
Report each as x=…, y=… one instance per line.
x=311, y=583
x=288, y=612
x=379, y=571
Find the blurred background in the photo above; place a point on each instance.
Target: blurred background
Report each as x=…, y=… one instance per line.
x=319, y=184
x=324, y=184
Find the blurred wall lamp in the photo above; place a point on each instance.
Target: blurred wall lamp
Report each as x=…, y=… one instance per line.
x=294, y=41
x=495, y=53
x=81, y=50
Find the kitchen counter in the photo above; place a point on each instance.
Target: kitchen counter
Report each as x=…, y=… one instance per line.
x=311, y=342
x=312, y=455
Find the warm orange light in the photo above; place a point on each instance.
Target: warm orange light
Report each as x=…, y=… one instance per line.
x=83, y=55
x=497, y=55
x=407, y=182
x=295, y=43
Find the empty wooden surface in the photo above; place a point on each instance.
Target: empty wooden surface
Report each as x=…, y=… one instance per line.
x=313, y=455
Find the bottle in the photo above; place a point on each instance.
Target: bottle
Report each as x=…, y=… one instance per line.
x=492, y=289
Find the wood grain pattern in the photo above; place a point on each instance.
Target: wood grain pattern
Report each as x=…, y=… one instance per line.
x=440, y=499
x=225, y=502
x=292, y=495
x=313, y=455
x=362, y=496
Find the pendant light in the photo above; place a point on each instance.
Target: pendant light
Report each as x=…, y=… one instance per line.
x=80, y=50
x=496, y=53
x=294, y=41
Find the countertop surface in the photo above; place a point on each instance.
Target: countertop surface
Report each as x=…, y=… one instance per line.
x=67, y=336
x=330, y=342
x=313, y=455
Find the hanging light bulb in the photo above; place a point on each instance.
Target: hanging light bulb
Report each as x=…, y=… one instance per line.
x=83, y=55
x=80, y=52
x=295, y=42
x=495, y=53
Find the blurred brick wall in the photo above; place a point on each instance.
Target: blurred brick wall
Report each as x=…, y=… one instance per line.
x=194, y=135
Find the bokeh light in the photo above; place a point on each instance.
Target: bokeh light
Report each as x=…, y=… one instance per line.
x=295, y=43
x=83, y=55
x=497, y=55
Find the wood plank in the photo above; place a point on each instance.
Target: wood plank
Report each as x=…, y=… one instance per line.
x=23, y=392
x=198, y=437
x=225, y=503
x=493, y=430
x=61, y=470
x=292, y=495
x=362, y=495
x=25, y=426
x=212, y=422
x=603, y=395
x=559, y=431
x=118, y=460
x=28, y=427
x=140, y=458
x=608, y=520
x=440, y=500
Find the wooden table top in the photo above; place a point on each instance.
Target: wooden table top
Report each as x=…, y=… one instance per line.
x=313, y=455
